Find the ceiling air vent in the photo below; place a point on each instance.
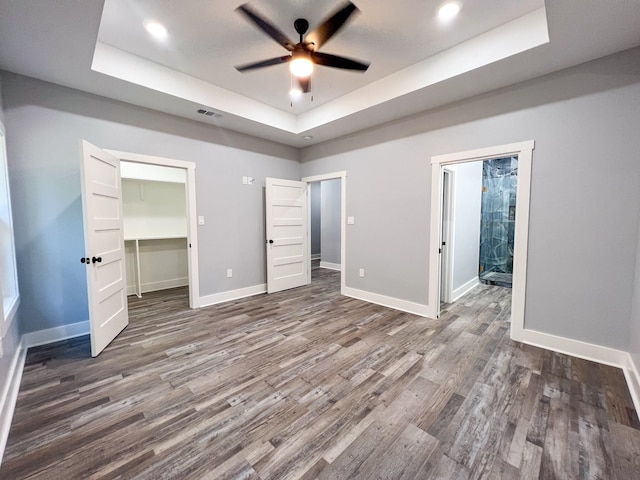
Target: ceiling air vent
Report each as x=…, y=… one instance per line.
x=209, y=113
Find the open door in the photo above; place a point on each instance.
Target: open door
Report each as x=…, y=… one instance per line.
x=104, y=246
x=286, y=217
x=446, y=231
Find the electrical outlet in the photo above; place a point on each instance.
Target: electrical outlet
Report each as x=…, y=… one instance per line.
x=362, y=272
x=229, y=272
x=245, y=180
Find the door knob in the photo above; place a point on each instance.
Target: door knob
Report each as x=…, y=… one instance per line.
x=95, y=259
x=270, y=241
x=85, y=260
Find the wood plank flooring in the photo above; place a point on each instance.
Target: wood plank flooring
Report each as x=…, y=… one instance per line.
x=309, y=384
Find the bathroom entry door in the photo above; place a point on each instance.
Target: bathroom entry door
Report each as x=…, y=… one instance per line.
x=104, y=245
x=287, y=232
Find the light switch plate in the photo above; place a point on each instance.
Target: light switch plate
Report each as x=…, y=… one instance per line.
x=229, y=273
x=200, y=220
x=351, y=220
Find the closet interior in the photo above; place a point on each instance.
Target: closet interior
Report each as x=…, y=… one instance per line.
x=154, y=209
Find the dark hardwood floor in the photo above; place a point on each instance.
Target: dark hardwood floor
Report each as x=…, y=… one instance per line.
x=309, y=384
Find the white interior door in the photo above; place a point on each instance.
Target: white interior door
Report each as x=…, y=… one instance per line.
x=286, y=216
x=104, y=246
x=446, y=242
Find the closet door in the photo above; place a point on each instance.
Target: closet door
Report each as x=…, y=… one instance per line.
x=104, y=246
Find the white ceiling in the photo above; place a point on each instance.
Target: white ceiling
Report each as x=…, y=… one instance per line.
x=417, y=63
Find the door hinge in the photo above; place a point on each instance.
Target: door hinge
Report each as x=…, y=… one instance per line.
x=439, y=250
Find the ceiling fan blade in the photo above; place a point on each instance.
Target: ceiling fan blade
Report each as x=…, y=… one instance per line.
x=264, y=63
x=335, y=61
x=305, y=84
x=266, y=26
x=331, y=25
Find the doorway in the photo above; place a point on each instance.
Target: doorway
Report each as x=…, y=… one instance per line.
x=167, y=234
x=325, y=224
x=104, y=255
x=330, y=217
x=523, y=151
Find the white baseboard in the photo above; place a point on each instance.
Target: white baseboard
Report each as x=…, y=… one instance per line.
x=160, y=285
x=330, y=266
x=464, y=289
x=56, y=334
x=10, y=395
x=575, y=348
x=632, y=375
x=391, y=302
x=315, y=256
x=231, y=295
x=587, y=351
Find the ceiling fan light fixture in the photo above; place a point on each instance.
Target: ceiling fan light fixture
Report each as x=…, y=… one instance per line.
x=448, y=11
x=301, y=65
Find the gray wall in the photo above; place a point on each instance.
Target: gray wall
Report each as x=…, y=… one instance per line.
x=585, y=200
x=330, y=193
x=315, y=223
x=44, y=125
x=466, y=241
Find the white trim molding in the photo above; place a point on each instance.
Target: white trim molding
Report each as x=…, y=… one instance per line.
x=10, y=394
x=229, y=295
x=464, y=289
x=631, y=373
x=55, y=334
x=391, y=302
x=331, y=266
x=587, y=351
x=524, y=152
x=159, y=285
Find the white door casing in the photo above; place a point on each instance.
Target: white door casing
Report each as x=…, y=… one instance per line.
x=286, y=230
x=192, y=225
x=524, y=152
x=104, y=245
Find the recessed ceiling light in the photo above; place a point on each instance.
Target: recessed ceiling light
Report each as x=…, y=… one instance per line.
x=157, y=30
x=448, y=11
x=295, y=92
x=307, y=137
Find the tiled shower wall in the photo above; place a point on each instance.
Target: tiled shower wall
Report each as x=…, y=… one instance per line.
x=499, y=181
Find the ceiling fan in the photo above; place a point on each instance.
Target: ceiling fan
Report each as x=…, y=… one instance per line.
x=304, y=54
